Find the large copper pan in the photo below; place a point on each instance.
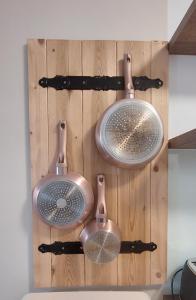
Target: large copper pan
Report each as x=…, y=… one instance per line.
x=130, y=132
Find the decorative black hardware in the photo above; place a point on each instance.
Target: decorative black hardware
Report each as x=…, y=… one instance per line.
x=59, y=248
x=98, y=83
x=137, y=247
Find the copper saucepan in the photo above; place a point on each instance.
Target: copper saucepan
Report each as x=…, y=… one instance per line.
x=101, y=237
x=130, y=132
x=62, y=199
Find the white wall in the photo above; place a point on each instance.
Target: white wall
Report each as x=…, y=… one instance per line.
x=86, y=19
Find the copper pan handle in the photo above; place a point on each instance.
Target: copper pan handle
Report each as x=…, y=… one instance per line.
x=101, y=213
x=61, y=165
x=129, y=89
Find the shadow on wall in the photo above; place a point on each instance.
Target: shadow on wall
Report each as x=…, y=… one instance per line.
x=27, y=209
x=182, y=180
x=182, y=76
x=182, y=93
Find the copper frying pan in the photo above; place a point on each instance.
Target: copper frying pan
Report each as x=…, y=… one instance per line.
x=63, y=200
x=101, y=237
x=130, y=132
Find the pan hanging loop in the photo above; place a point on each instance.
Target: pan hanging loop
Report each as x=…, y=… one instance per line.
x=61, y=165
x=129, y=87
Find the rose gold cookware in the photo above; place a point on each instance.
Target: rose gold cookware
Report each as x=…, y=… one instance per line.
x=130, y=132
x=63, y=200
x=101, y=237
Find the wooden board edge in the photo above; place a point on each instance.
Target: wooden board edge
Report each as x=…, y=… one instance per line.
x=38, y=128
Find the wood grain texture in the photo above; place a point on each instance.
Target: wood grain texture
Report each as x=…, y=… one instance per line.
x=136, y=199
x=184, y=39
x=38, y=126
x=99, y=58
x=134, y=186
x=186, y=140
x=159, y=168
x=64, y=58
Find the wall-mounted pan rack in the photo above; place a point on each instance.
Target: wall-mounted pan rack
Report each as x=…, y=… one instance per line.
x=136, y=199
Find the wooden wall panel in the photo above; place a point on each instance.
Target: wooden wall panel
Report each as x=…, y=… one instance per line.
x=38, y=130
x=159, y=168
x=64, y=57
x=136, y=199
x=99, y=58
x=134, y=186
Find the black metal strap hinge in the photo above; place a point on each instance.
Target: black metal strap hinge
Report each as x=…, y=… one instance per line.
x=98, y=83
x=59, y=248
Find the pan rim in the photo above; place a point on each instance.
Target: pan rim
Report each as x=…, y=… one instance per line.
x=86, y=191
x=100, y=128
x=92, y=229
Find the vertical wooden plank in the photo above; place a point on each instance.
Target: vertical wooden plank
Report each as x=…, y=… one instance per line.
x=64, y=58
x=38, y=124
x=99, y=58
x=159, y=168
x=134, y=185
